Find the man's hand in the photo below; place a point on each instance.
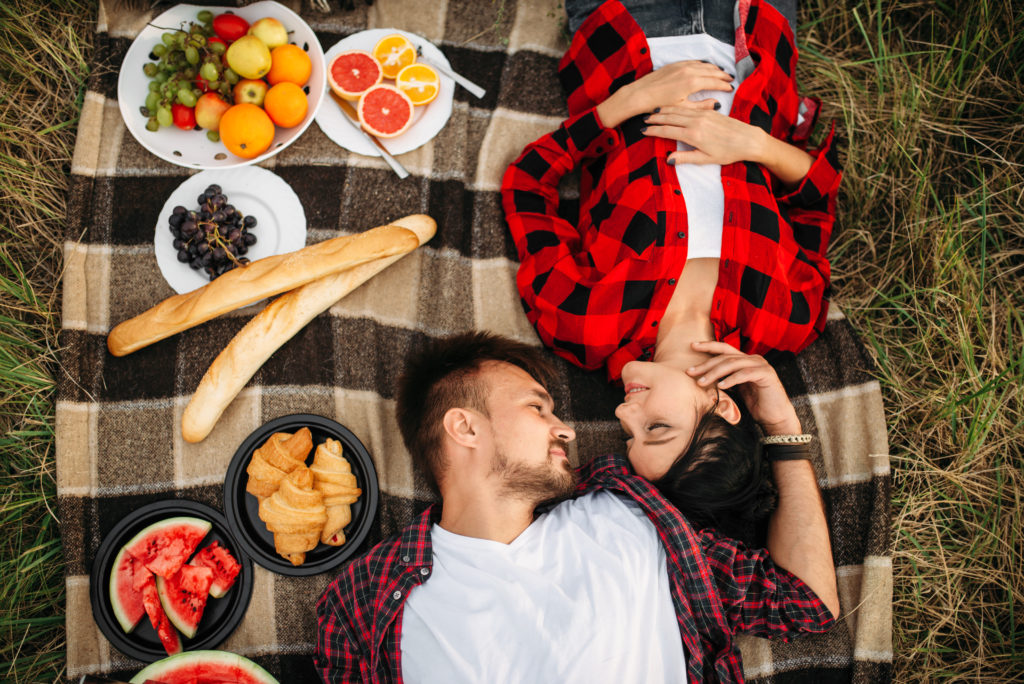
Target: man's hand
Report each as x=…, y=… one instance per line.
x=670, y=86
x=756, y=381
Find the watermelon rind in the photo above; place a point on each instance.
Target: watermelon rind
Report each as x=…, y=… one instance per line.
x=186, y=621
x=191, y=665
x=196, y=528
x=121, y=611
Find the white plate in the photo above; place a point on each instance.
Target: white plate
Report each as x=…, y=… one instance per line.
x=193, y=148
x=428, y=120
x=280, y=220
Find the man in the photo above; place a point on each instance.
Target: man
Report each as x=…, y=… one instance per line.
x=611, y=586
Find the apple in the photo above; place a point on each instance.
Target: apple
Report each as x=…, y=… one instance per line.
x=250, y=90
x=271, y=31
x=209, y=108
x=249, y=57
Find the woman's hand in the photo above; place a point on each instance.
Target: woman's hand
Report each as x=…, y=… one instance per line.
x=717, y=139
x=754, y=379
x=670, y=86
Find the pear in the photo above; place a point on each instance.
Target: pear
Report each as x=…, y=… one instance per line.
x=249, y=57
x=271, y=31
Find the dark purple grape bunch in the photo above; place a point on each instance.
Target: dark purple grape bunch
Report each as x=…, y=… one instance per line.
x=215, y=237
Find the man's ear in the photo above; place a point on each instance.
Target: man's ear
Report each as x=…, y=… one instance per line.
x=461, y=426
x=728, y=409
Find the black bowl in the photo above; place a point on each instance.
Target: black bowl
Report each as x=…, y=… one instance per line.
x=221, y=616
x=241, y=508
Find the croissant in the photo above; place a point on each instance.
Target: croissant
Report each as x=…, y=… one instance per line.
x=332, y=476
x=295, y=513
x=279, y=455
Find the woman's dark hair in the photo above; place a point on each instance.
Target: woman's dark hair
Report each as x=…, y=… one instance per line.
x=721, y=480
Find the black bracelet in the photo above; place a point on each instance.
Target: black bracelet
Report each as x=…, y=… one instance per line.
x=786, y=452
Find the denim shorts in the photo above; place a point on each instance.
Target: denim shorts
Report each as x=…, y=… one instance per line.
x=659, y=18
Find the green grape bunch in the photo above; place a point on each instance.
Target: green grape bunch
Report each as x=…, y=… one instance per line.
x=185, y=63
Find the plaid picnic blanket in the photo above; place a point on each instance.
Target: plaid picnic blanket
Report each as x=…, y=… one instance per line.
x=118, y=419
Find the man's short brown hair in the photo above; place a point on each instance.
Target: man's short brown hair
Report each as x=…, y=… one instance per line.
x=444, y=375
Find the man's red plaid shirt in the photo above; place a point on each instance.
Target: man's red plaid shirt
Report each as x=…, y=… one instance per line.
x=719, y=589
x=596, y=291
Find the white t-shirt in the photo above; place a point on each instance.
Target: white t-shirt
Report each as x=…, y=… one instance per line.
x=701, y=183
x=582, y=595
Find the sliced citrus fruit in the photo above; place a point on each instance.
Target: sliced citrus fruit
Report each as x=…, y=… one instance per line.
x=394, y=52
x=385, y=111
x=354, y=72
x=420, y=82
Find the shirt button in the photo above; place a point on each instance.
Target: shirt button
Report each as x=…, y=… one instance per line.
x=680, y=234
x=671, y=281
x=654, y=324
x=424, y=571
x=611, y=140
x=599, y=149
x=643, y=51
x=678, y=192
x=397, y=595
x=405, y=559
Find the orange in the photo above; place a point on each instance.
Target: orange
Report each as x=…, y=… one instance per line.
x=394, y=52
x=419, y=82
x=286, y=104
x=289, y=63
x=246, y=130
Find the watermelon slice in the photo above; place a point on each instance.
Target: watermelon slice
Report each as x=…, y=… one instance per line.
x=205, y=667
x=183, y=596
x=164, y=546
x=225, y=567
x=127, y=577
x=151, y=600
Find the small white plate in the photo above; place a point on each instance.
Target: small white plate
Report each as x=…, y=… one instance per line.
x=192, y=148
x=254, y=191
x=428, y=120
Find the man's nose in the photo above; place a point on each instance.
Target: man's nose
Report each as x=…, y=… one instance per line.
x=562, y=431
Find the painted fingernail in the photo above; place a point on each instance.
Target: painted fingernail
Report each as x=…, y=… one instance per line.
x=657, y=109
x=643, y=128
x=671, y=161
x=718, y=105
x=646, y=117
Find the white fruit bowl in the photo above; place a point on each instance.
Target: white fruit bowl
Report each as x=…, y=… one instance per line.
x=192, y=148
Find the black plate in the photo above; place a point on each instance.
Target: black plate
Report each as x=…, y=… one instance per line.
x=241, y=508
x=220, y=617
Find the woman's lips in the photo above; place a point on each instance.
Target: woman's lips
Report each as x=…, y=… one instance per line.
x=634, y=387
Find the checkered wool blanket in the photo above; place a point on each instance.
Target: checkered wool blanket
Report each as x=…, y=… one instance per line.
x=118, y=419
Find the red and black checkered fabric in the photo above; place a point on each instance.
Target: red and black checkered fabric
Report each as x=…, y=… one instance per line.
x=597, y=290
x=719, y=589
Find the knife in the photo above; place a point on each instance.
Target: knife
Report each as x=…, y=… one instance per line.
x=473, y=88
x=352, y=117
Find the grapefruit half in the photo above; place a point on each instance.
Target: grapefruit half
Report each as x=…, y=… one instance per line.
x=353, y=72
x=385, y=111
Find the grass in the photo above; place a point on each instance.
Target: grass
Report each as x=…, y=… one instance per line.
x=928, y=263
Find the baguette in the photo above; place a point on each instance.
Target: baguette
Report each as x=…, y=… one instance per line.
x=274, y=326
x=260, y=279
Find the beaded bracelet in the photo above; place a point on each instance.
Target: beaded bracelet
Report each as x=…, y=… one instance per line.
x=786, y=439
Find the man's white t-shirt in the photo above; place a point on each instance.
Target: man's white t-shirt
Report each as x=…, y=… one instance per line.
x=582, y=595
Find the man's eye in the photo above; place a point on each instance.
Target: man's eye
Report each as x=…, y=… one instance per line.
x=540, y=409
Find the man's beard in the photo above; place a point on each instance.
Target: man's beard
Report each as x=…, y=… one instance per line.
x=536, y=483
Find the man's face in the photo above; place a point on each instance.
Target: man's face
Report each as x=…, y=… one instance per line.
x=530, y=443
x=661, y=409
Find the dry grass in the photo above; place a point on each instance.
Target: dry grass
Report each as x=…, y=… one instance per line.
x=929, y=267
x=928, y=264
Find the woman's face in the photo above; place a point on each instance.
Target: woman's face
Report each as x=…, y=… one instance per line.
x=661, y=409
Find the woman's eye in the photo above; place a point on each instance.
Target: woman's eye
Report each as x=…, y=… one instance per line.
x=655, y=426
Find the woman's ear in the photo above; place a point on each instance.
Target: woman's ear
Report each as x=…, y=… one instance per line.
x=460, y=425
x=728, y=409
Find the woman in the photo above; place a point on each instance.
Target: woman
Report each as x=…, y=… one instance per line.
x=702, y=231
